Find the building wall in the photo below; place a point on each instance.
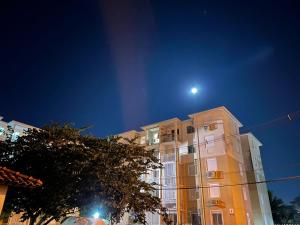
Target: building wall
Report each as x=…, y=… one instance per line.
x=215, y=138
x=3, y=190
x=255, y=173
x=18, y=129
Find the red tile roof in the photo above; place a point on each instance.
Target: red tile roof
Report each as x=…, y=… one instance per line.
x=12, y=178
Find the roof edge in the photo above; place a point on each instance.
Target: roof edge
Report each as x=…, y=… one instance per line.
x=223, y=108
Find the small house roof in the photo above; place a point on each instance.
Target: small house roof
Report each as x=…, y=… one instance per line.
x=13, y=178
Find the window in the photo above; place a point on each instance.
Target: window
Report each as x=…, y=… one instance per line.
x=169, y=194
x=190, y=129
x=191, y=149
x=217, y=218
x=196, y=219
x=209, y=141
x=244, y=193
x=214, y=190
x=15, y=136
x=169, y=169
x=211, y=164
x=1, y=130
x=153, y=136
x=143, y=140
x=192, y=170
x=155, y=173
x=169, y=181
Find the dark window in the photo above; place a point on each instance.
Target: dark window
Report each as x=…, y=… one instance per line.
x=190, y=129
x=191, y=149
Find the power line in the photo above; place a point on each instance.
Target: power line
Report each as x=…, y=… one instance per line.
x=282, y=179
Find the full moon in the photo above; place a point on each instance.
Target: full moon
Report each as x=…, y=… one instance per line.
x=194, y=90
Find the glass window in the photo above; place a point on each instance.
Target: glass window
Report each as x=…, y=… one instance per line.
x=191, y=149
x=211, y=164
x=217, y=218
x=156, y=173
x=143, y=140
x=190, y=129
x=169, y=194
x=15, y=136
x=169, y=169
x=196, y=219
x=214, y=190
x=1, y=130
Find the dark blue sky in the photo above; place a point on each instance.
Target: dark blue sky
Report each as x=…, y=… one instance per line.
x=118, y=65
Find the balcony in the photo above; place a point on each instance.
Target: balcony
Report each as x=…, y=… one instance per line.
x=167, y=138
x=216, y=203
x=215, y=174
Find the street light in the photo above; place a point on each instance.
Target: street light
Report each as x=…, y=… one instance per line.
x=96, y=215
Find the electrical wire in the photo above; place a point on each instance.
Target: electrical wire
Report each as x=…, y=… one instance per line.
x=282, y=179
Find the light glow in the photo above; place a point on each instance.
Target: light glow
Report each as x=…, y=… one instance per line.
x=194, y=90
x=96, y=215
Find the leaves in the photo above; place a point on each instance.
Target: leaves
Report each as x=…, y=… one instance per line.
x=80, y=171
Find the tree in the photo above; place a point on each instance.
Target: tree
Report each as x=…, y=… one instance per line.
x=281, y=212
x=80, y=172
x=296, y=205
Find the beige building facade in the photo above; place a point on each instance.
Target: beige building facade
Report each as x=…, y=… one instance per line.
x=205, y=174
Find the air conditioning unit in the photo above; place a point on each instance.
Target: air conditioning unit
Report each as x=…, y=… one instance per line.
x=205, y=127
x=216, y=203
x=215, y=174
x=212, y=126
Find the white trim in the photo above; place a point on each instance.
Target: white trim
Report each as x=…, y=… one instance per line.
x=211, y=216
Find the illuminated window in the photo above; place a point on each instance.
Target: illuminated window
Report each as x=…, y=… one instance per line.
x=15, y=136
x=211, y=164
x=214, y=190
x=169, y=169
x=1, y=130
x=143, y=140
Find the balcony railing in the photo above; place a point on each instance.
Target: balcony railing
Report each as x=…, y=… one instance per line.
x=167, y=138
x=215, y=203
x=215, y=174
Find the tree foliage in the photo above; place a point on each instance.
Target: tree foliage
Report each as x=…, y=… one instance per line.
x=282, y=213
x=80, y=172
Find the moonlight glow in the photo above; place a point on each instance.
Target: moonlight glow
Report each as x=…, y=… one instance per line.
x=194, y=90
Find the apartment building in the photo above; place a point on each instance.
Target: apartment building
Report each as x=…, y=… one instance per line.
x=18, y=128
x=255, y=173
x=206, y=170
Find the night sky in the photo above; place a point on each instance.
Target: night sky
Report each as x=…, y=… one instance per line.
x=118, y=65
